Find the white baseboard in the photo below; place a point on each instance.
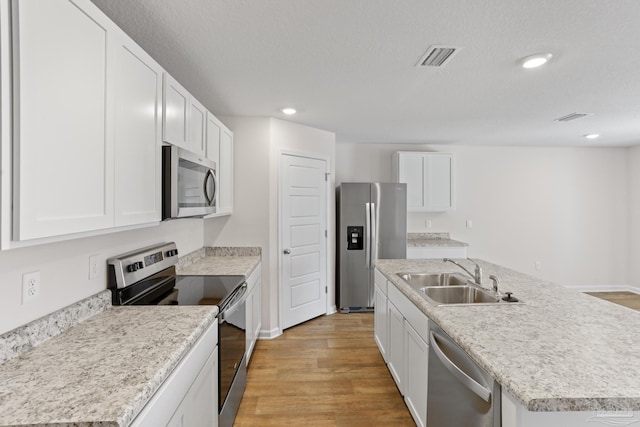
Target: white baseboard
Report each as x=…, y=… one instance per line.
x=604, y=288
x=332, y=310
x=269, y=335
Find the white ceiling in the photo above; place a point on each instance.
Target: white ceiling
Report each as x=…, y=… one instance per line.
x=348, y=65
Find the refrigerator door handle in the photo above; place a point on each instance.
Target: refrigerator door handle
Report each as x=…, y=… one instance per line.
x=367, y=235
x=374, y=236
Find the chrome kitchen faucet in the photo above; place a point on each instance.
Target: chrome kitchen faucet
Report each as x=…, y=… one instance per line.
x=477, y=277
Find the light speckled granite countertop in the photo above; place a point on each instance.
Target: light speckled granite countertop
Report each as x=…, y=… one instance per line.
x=220, y=261
x=561, y=351
x=102, y=371
x=420, y=240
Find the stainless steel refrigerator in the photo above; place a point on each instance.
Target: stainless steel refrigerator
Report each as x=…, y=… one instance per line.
x=371, y=225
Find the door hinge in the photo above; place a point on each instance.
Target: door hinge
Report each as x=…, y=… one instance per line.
x=326, y=233
x=326, y=176
x=326, y=289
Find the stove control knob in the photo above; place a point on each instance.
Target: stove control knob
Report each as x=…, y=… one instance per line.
x=172, y=252
x=135, y=266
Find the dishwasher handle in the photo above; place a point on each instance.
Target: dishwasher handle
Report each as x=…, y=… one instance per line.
x=482, y=392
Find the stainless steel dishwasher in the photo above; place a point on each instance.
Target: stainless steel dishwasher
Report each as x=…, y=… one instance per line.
x=459, y=392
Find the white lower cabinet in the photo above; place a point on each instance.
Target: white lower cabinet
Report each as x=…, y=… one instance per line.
x=253, y=310
x=189, y=396
x=381, y=321
x=415, y=385
x=395, y=353
x=407, y=351
x=198, y=408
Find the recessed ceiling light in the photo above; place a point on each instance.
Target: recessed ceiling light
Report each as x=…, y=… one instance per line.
x=289, y=111
x=533, y=61
x=592, y=135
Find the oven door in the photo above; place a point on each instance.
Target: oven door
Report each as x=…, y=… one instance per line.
x=233, y=374
x=189, y=184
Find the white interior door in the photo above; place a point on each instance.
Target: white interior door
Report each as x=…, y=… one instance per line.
x=303, y=240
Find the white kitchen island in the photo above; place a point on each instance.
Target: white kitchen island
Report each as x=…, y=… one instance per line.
x=563, y=358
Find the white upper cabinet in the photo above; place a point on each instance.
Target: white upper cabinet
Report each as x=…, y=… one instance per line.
x=220, y=150
x=87, y=130
x=226, y=172
x=137, y=136
x=184, y=118
x=429, y=179
x=175, y=109
x=197, y=121
x=63, y=156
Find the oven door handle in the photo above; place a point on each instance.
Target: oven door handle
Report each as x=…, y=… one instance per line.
x=237, y=296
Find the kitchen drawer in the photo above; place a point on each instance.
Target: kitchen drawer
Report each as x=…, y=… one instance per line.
x=416, y=318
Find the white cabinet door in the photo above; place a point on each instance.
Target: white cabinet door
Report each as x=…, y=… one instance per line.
x=381, y=321
x=197, y=120
x=395, y=351
x=410, y=171
x=415, y=387
x=253, y=311
x=225, y=172
x=137, y=135
x=429, y=179
x=175, y=110
x=214, y=130
x=62, y=179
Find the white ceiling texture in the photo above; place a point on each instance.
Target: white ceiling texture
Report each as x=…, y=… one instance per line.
x=348, y=66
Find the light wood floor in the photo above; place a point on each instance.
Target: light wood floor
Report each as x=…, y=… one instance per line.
x=325, y=372
x=628, y=299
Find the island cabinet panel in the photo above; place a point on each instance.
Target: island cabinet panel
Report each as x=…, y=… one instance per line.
x=381, y=322
x=63, y=182
x=429, y=177
x=381, y=315
x=137, y=135
x=404, y=347
x=189, y=396
x=396, y=352
x=417, y=358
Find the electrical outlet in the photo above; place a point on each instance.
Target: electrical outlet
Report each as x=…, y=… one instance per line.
x=30, y=286
x=427, y=223
x=93, y=267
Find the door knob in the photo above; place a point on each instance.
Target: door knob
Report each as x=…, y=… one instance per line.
x=287, y=251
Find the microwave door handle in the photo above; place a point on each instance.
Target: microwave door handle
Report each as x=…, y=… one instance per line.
x=215, y=187
x=207, y=176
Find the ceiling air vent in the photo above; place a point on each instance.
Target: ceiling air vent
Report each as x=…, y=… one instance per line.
x=572, y=116
x=437, y=56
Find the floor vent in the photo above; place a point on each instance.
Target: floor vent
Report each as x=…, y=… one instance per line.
x=572, y=116
x=437, y=56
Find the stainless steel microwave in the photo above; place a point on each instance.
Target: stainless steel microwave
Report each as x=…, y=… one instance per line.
x=189, y=184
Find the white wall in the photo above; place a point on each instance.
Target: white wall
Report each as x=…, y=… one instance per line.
x=258, y=143
x=564, y=207
x=64, y=267
x=633, y=170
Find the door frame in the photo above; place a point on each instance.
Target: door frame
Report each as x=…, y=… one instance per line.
x=330, y=305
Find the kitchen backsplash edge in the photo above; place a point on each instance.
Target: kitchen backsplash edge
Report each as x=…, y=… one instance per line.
x=24, y=338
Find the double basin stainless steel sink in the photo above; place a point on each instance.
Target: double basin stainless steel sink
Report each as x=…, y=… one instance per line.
x=450, y=289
